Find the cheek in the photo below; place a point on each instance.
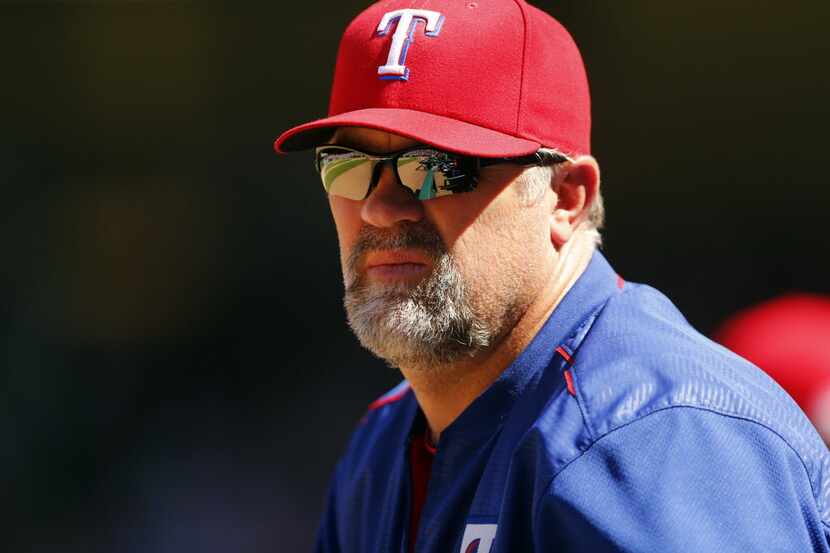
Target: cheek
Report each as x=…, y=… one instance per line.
x=505, y=248
x=347, y=222
x=465, y=219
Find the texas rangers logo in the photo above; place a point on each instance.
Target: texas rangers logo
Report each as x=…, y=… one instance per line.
x=478, y=538
x=407, y=22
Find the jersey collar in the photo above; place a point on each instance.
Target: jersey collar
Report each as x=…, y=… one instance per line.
x=484, y=417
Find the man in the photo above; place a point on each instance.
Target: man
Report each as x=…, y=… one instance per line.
x=547, y=404
x=788, y=337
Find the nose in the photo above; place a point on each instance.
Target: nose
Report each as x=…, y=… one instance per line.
x=390, y=203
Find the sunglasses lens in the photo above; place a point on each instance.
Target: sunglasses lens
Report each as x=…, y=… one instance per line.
x=430, y=173
x=426, y=172
x=344, y=172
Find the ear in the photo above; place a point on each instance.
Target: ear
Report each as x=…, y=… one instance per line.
x=576, y=190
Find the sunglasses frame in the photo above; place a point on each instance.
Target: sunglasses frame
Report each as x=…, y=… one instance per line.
x=471, y=163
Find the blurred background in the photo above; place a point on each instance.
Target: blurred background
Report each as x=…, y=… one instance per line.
x=176, y=370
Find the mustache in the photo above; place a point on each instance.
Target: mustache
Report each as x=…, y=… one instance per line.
x=420, y=235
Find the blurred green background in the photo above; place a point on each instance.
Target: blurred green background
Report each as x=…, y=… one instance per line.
x=177, y=371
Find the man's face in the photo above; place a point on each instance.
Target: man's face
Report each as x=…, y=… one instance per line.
x=430, y=282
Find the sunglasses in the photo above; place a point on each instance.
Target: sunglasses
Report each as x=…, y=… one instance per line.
x=426, y=172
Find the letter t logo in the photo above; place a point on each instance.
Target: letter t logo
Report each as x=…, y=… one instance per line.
x=404, y=36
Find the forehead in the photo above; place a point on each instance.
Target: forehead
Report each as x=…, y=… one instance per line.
x=371, y=140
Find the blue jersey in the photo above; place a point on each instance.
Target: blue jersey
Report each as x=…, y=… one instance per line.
x=619, y=428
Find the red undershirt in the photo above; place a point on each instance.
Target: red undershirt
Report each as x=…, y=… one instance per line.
x=421, y=454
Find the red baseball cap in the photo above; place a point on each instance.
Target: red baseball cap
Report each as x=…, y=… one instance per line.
x=789, y=338
x=492, y=78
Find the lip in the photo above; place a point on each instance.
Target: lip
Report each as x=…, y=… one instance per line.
x=396, y=264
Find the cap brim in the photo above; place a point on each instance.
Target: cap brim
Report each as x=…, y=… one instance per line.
x=442, y=132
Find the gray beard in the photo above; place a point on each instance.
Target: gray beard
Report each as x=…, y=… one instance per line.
x=421, y=327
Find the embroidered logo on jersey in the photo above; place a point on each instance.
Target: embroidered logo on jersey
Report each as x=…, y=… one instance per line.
x=478, y=538
x=406, y=22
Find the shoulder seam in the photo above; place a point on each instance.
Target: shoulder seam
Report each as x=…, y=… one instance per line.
x=582, y=411
x=585, y=328
x=816, y=496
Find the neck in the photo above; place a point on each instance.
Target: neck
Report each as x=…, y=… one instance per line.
x=446, y=392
